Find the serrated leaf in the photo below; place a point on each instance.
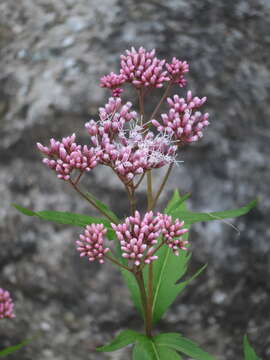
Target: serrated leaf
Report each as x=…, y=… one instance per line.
x=248, y=350
x=144, y=351
x=148, y=349
x=12, y=349
x=103, y=207
x=168, y=269
x=125, y=338
x=183, y=345
x=68, y=218
x=165, y=353
x=190, y=217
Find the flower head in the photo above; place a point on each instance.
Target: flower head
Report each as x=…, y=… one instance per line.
x=137, y=236
x=91, y=243
x=117, y=92
x=176, y=70
x=113, y=117
x=172, y=232
x=113, y=81
x=181, y=121
x=6, y=305
x=135, y=152
x=65, y=156
x=142, y=68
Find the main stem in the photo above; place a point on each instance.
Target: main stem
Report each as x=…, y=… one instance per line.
x=144, y=300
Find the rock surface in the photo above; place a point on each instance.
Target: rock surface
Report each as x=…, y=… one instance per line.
x=52, y=55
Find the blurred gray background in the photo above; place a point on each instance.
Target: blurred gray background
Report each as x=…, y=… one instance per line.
x=52, y=56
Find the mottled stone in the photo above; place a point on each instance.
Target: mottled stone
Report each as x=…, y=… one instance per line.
x=52, y=55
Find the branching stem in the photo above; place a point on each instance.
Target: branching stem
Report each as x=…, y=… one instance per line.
x=162, y=185
x=166, y=92
x=149, y=191
x=117, y=263
x=73, y=184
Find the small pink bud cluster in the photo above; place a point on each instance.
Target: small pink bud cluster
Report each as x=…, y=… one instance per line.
x=113, y=81
x=181, y=121
x=171, y=232
x=143, y=68
x=91, y=243
x=176, y=70
x=112, y=117
x=6, y=305
x=65, y=156
x=138, y=236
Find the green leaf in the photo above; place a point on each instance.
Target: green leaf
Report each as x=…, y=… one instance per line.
x=144, y=350
x=68, y=218
x=168, y=269
x=13, y=348
x=166, y=353
x=190, y=217
x=174, y=201
x=177, y=201
x=103, y=207
x=248, y=350
x=183, y=345
x=125, y=338
x=149, y=349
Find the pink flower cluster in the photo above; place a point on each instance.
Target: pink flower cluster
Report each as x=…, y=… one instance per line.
x=138, y=236
x=6, y=305
x=113, y=81
x=113, y=116
x=143, y=69
x=91, y=243
x=122, y=140
x=171, y=232
x=181, y=121
x=176, y=70
x=129, y=152
x=65, y=156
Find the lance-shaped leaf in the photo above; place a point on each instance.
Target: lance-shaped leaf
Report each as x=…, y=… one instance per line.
x=248, y=350
x=68, y=218
x=179, y=343
x=123, y=339
x=168, y=269
x=192, y=217
x=12, y=349
x=149, y=349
